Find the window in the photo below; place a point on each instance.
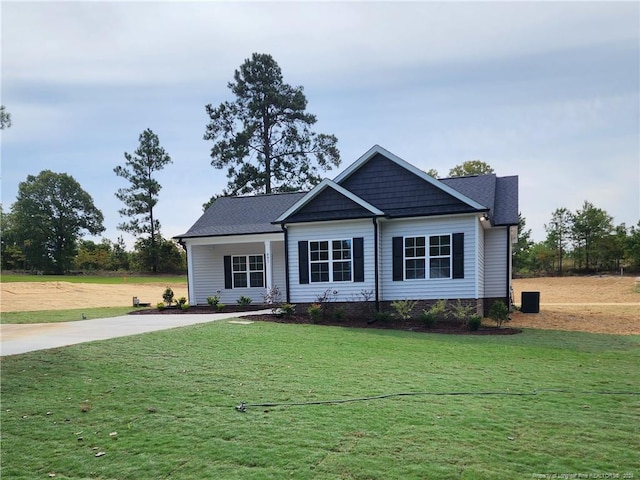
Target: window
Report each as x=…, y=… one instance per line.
x=414, y=254
x=248, y=271
x=440, y=256
x=330, y=261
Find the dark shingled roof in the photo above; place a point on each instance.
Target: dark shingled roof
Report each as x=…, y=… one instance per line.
x=499, y=194
x=243, y=215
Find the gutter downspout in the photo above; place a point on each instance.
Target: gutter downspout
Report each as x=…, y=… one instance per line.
x=186, y=255
x=509, y=268
x=286, y=262
x=375, y=260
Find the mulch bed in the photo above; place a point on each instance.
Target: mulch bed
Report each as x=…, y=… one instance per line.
x=445, y=327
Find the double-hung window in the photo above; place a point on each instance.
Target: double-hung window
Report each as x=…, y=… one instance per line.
x=440, y=256
x=330, y=261
x=248, y=271
x=414, y=258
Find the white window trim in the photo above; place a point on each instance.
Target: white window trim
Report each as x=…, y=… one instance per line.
x=427, y=257
x=248, y=271
x=331, y=261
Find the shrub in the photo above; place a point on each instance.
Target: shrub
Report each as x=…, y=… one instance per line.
x=499, y=313
x=287, y=310
x=220, y=307
x=160, y=305
x=184, y=307
x=315, y=312
x=182, y=301
x=213, y=301
x=436, y=311
x=382, y=316
x=244, y=301
x=461, y=312
x=404, y=308
x=273, y=297
x=167, y=296
x=474, y=322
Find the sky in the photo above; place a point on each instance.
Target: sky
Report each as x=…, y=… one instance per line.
x=548, y=91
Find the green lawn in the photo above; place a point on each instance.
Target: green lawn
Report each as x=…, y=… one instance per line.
x=106, y=280
x=71, y=315
x=162, y=405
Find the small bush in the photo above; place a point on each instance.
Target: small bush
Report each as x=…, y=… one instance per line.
x=220, y=307
x=182, y=301
x=461, y=312
x=160, y=305
x=382, y=316
x=287, y=310
x=244, y=301
x=436, y=311
x=404, y=308
x=474, y=322
x=167, y=296
x=315, y=312
x=273, y=297
x=499, y=312
x=184, y=307
x=213, y=301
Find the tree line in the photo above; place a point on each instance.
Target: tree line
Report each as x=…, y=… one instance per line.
x=263, y=138
x=583, y=241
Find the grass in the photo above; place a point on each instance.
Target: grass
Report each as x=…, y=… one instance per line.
x=171, y=398
x=123, y=279
x=71, y=315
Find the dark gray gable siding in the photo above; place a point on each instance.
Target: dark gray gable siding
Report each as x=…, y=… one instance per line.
x=329, y=205
x=398, y=192
x=243, y=215
x=480, y=188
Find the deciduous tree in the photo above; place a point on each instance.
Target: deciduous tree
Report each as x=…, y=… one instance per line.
x=51, y=213
x=141, y=197
x=471, y=167
x=263, y=137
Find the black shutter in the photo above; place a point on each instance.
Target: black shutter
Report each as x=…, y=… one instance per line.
x=458, y=255
x=358, y=259
x=303, y=261
x=228, y=281
x=398, y=268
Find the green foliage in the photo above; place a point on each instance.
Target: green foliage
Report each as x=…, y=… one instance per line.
x=167, y=296
x=461, y=312
x=287, y=309
x=244, y=301
x=315, y=312
x=474, y=322
x=382, y=316
x=182, y=301
x=5, y=118
x=404, y=308
x=263, y=138
x=184, y=306
x=51, y=213
x=220, y=307
x=160, y=305
x=590, y=226
x=471, y=167
x=437, y=311
x=499, y=312
x=522, y=246
x=141, y=196
x=170, y=258
x=213, y=301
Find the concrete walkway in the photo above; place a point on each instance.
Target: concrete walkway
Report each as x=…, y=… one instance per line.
x=22, y=338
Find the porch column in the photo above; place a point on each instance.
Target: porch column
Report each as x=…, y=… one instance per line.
x=190, y=289
x=267, y=264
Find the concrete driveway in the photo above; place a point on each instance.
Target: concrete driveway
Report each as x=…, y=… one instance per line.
x=22, y=338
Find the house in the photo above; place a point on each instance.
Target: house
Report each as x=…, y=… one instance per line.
x=381, y=227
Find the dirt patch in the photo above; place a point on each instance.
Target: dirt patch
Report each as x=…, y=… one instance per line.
x=601, y=304
x=34, y=296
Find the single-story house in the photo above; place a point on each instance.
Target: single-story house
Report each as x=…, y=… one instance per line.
x=382, y=226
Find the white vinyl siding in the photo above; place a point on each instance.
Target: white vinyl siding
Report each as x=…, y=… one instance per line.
x=330, y=231
x=495, y=262
x=436, y=288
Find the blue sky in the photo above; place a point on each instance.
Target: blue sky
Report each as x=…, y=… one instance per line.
x=548, y=91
